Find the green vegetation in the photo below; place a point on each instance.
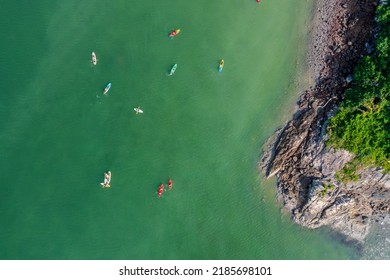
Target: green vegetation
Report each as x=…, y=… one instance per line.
x=362, y=125
x=347, y=174
x=327, y=188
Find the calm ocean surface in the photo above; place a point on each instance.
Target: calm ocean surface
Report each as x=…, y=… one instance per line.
x=201, y=128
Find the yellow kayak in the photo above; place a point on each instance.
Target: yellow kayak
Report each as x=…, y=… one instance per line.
x=221, y=64
x=174, y=33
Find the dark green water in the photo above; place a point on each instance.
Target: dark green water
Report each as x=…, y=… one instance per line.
x=58, y=134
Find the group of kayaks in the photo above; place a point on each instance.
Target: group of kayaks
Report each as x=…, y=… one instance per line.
x=107, y=180
x=94, y=60
x=161, y=188
x=174, y=33
x=107, y=175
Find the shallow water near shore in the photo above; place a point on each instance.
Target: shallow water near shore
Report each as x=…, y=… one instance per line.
x=203, y=129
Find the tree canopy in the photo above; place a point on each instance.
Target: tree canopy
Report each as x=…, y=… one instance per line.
x=362, y=125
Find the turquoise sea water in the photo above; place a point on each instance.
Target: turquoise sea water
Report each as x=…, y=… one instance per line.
x=203, y=129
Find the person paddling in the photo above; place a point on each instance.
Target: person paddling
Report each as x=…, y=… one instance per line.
x=160, y=190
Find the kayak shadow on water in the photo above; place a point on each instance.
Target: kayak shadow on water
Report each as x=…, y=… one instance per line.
x=101, y=95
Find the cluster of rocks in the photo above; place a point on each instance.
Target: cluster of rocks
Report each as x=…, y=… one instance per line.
x=297, y=154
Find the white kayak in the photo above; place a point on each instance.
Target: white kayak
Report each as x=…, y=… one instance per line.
x=138, y=110
x=173, y=69
x=107, y=180
x=94, y=59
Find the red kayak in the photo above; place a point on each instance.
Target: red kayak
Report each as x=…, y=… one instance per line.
x=160, y=190
x=258, y=1
x=170, y=184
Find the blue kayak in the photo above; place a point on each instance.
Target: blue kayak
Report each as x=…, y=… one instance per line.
x=108, y=86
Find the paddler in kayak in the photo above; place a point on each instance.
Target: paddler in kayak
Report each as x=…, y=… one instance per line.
x=174, y=33
x=221, y=64
x=170, y=184
x=173, y=69
x=94, y=59
x=160, y=190
x=138, y=110
x=107, y=180
x=107, y=88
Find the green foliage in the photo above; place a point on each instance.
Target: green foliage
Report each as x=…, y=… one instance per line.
x=366, y=73
x=348, y=173
x=362, y=125
x=327, y=188
x=383, y=14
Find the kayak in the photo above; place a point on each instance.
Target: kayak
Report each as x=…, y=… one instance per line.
x=221, y=64
x=174, y=33
x=258, y=1
x=173, y=69
x=94, y=59
x=160, y=190
x=107, y=177
x=107, y=88
x=170, y=184
x=107, y=180
x=138, y=110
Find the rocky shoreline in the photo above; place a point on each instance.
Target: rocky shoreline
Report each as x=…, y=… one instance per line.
x=305, y=168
